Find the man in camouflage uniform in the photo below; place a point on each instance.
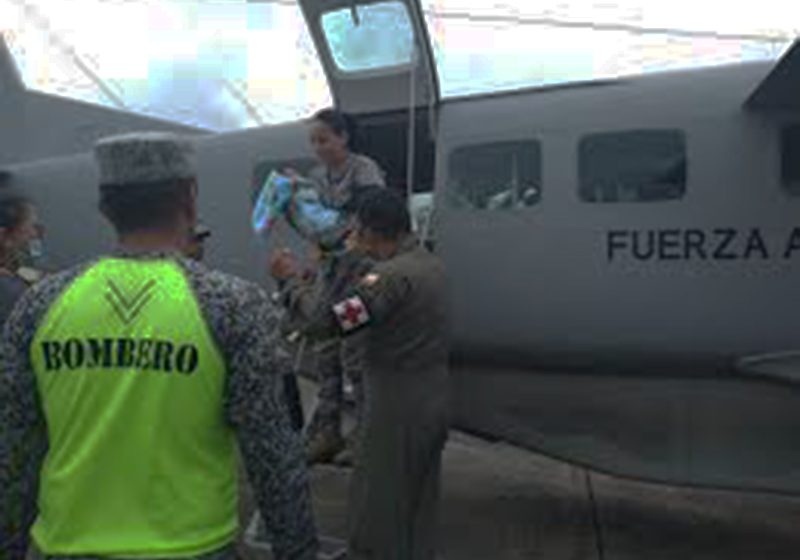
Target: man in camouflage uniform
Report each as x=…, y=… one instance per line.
x=338, y=359
x=189, y=364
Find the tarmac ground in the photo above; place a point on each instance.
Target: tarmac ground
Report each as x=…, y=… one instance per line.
x=503, y=503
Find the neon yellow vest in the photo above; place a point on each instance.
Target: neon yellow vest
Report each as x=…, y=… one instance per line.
x=141, y=462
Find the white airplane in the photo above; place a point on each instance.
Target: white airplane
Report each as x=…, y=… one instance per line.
x=625, y=254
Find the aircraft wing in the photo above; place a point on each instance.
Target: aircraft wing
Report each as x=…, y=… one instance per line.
x=780, y=90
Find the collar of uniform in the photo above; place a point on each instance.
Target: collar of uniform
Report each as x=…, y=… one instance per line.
x=152, y=254
x=335, y=179
x=410, y=243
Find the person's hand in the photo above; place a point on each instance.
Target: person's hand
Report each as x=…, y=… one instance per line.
x=354, y=243
x=315, y=254
x=312, y=264
x=351, y=241
x=293, y=176
x=283, y=265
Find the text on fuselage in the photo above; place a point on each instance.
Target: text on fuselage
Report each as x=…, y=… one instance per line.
x=718, y=244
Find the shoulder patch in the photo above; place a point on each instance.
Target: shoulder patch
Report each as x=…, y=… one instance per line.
x=351, y=314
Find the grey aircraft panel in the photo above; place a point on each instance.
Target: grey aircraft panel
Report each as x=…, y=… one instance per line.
x=627, y=364
x=730, y=433
x=555, y=255
x=43, y=126
x=684, y=93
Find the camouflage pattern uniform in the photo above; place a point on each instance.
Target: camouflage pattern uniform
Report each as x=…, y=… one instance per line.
x=244, y=324
x=240, y=319
x=335, y=357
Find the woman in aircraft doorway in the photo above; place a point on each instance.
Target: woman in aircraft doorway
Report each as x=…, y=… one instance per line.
x=341, y=176
x=20, y=243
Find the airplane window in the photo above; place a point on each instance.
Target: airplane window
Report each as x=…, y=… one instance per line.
x=498, y=176
x=632, y=166
x=205, y=63
x=375, y=36
x=790, y=159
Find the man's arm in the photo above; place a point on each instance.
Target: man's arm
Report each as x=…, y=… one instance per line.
x=23, y=435
x=373, y=299
x=299, y=296
x=272, y=450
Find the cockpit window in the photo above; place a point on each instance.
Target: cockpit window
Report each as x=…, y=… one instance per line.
x=497, y=176
x=790, y=159
x=632, y=166
x=372, y=37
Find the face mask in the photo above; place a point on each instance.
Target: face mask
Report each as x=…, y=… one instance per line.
x=35, y=249
x=30, y=253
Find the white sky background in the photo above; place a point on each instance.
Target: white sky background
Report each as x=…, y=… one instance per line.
x=226, y=65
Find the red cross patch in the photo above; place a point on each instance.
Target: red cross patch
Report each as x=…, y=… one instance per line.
x=351, y=314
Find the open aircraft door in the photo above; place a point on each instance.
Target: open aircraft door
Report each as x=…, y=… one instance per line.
x=378, y=58
x=376, y=54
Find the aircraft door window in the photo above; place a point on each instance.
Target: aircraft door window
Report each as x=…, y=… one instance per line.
x=497, y=176
x=632, y=166
x=369, y=37
x=790, y=159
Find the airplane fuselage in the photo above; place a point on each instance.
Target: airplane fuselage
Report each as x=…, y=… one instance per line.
x=615, y=250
